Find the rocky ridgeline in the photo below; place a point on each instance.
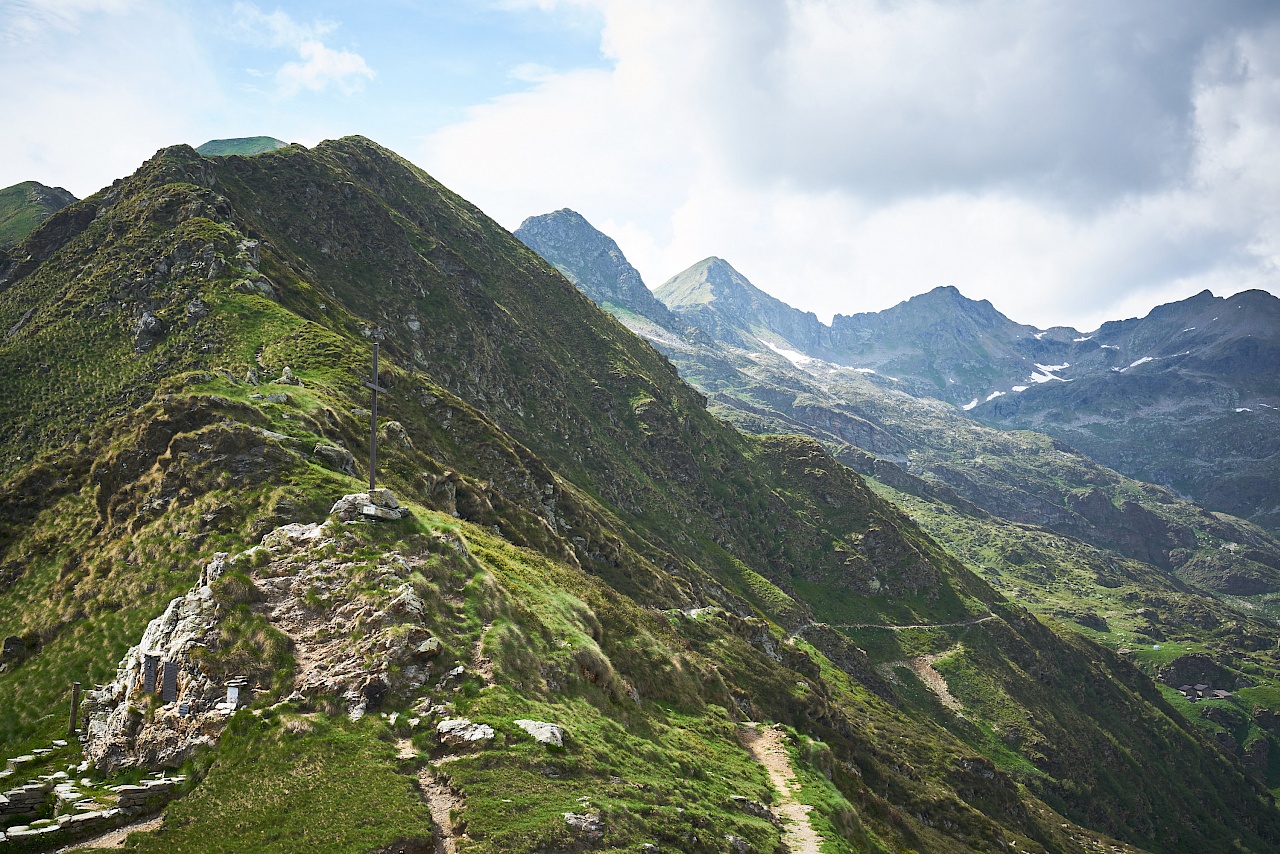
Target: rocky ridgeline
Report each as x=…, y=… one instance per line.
x=169, y=697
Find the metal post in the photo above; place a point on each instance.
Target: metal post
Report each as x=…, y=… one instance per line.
x=75, y=710
x=373, y=426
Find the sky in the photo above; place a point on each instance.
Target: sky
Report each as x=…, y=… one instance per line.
x=1072, y=162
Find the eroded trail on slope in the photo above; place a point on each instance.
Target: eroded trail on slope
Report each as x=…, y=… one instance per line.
x=765, y=744
x=442, y=800
x=923, y=667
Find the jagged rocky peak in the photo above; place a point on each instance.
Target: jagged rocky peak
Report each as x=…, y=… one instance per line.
x=712, y=280
x=587, y=257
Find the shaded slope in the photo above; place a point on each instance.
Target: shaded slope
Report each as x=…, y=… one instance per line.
x=582, y=520
x=1187, y=397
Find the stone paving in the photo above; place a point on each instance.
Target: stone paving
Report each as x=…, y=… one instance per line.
x=60, y=807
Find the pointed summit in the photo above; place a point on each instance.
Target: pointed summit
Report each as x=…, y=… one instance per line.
x=592, y=261
x=716, y=298
x=943, y=302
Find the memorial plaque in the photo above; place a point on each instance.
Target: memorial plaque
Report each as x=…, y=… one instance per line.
x=149, y=663
x=169, y=683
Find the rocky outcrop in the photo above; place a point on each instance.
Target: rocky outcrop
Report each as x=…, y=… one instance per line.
x=461, y=732
x=120, y=733
x=378, y=504
x=173, y=691
x=1196, y=668
x=335, y=458
x=588, y=826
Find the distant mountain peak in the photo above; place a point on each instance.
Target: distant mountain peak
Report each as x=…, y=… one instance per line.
x=713, y=279
x=718, y=299
x=24, y=206
x=592, y=261
x=245, y=145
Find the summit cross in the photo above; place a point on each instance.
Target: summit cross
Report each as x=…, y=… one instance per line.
x=373, y=423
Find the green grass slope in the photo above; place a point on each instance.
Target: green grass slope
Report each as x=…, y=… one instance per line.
x=24, y=206
x=246, y=146
x=627, y=563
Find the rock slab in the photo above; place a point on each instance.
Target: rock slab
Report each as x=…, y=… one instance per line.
x=462, y=732
x=543, y=732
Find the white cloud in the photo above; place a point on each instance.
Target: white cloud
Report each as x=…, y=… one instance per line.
x=322, y=67
x=1066, y=161
x=318, y=66
x=275, y=29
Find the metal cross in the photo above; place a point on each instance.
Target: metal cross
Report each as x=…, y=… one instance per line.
x=373, y=423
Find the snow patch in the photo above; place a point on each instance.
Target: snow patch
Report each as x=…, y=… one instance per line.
x=1109, y=347
x=1244, y=409
x=1021, y=387
x=970, y=405
x=1085, y=338
x=1141, y=361
x=797, y=359
x=994, y=395
x=864, y=370
x=1046, y=373
x=1189, y=329
x=1039, y=335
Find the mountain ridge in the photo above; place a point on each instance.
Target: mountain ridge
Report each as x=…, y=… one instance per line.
x=1038, y=517
x=1168, y=398
x=586, y=542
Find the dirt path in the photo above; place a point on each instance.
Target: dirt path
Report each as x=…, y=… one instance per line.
x=922, y=666
x=765, y=744
x=442, y=800
x=116, y=838
x=481, y=664
x=972, y=622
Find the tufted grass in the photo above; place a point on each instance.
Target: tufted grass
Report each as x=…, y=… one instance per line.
x=284, y=782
